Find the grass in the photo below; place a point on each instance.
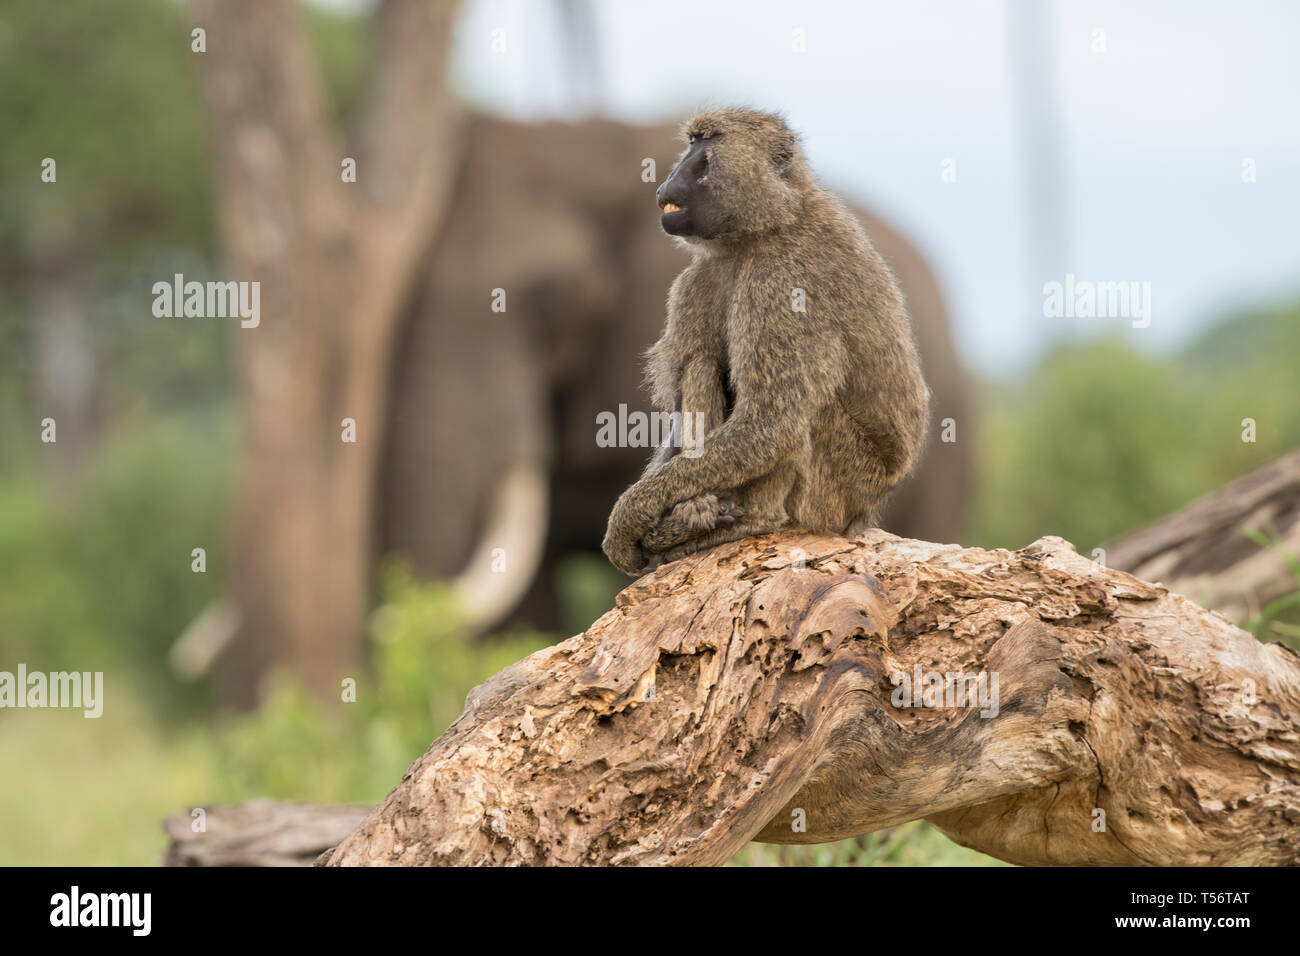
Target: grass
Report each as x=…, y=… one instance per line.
x=912, y=844
x=1271, y=621
x=93, y=792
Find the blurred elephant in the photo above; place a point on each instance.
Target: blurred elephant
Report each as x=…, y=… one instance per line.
x=491, y=469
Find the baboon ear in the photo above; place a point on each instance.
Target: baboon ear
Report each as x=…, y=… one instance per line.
x=783, y=153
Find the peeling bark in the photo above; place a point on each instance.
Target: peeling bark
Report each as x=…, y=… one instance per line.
x=732, y=695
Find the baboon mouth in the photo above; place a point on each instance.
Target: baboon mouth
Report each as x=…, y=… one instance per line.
x=671, y=207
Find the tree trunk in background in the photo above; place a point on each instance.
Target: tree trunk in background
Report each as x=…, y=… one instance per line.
x=335, y=261
x=734, y=696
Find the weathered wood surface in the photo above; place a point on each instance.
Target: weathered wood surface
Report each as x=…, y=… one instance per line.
x=1201, y=552
x=259, y=833
x=731, y=695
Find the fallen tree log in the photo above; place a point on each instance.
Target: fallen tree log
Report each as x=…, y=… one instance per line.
x=259, y=833
x=1203, y=552
x=754, y=692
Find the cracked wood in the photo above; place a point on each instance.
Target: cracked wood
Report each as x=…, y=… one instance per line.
x=732, y=694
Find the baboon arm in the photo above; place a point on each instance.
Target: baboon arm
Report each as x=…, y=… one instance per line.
x=704, y=402
x=780, y=386
x=659, y=458
x=742, y=448
x=700, y=408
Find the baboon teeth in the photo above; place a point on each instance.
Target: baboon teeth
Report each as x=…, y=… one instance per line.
x=672, y=207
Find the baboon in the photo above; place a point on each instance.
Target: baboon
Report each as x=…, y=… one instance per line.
x=587, y=270
x=787, y=339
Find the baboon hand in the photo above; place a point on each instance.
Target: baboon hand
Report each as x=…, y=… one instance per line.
x=704, y=512
x=688, y=519
x=627, y=523
x=624, y=553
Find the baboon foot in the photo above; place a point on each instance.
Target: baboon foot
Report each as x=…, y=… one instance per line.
x=688, y=519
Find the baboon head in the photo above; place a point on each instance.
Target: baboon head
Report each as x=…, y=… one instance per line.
x=742, y=173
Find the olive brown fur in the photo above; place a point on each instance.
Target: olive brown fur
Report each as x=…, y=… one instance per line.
x=788, y=353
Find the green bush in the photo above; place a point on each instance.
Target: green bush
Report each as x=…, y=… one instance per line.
x=94, y=792
x=1100, y=439
x=1096, y=441
x=96, y=574
x=423, y=663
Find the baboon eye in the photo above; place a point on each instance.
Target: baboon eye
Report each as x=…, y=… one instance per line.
x=702, y=168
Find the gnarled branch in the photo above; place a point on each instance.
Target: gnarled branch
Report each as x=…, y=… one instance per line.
x=749, y=693
x=1202, y=551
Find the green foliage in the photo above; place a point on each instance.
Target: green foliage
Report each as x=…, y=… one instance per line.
x=1277, y=619
x=912, y=844
x=113, y=94
x=1099, y=439
x=155, y=496
x=94, y=792
x=49, y=620
x=110, y=95
x=1076, y=449
x=99, y=577
x=587, y=584
x=423, y=663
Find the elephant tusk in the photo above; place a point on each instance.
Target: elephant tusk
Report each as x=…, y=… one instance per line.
x=509, y=552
